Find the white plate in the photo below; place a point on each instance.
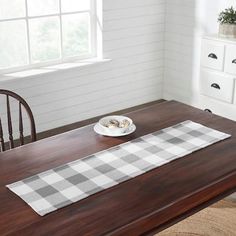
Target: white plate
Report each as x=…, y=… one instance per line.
x=98, y=130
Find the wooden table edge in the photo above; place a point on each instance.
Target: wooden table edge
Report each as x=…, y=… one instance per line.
x=224, y=181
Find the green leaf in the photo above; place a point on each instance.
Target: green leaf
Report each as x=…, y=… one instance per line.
x=228, y=16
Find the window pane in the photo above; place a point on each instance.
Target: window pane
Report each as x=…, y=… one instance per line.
x=76, y=30
x=12, y=9
x=44, y=39
x=13, y=44
x=75, y=5
x=42, y=7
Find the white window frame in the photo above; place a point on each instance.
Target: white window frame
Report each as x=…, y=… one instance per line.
x=92, y=39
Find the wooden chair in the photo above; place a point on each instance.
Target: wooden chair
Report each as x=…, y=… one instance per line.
x=22, y=103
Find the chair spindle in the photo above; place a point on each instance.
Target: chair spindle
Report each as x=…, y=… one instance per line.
x=21, y=129
x=1, y=137
x=11, y=141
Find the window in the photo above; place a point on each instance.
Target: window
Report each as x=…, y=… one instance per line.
x=43, y=32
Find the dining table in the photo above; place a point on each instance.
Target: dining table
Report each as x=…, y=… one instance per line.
x=144, y=205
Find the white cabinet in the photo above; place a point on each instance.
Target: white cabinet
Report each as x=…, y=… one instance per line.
x=230, y=59
x=217, y=85
x=218, y=69
x=235, y=92
x=213, y=55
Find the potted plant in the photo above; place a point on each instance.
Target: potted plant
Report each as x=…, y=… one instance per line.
x=227, y=19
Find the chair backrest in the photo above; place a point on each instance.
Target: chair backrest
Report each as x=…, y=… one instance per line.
x=21, y=103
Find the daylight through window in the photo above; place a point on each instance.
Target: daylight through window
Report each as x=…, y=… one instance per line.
x=38, y=32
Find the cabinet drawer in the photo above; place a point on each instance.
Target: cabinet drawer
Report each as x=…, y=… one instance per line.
x=213, y=55
x=216, y=85
x=230, y=59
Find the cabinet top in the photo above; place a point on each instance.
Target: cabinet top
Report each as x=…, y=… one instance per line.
x=221, y=39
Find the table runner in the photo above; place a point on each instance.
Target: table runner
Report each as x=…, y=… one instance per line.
x=74, y=181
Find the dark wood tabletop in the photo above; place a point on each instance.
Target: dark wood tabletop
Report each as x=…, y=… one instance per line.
x=143, y=205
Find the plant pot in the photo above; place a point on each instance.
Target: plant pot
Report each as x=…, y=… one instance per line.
x=227, y=30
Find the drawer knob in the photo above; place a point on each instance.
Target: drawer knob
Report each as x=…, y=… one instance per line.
x=234, y=61
x=216, y=86
x=213, y=56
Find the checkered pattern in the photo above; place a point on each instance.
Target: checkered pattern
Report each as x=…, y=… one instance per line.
x=59, y=187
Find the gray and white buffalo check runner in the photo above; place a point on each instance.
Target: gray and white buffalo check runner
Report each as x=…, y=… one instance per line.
x=64, y=185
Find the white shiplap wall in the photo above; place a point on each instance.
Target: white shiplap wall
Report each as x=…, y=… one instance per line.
x=186, y=22
x=133, y=37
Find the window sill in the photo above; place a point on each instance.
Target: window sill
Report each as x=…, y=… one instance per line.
x=59, y=68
